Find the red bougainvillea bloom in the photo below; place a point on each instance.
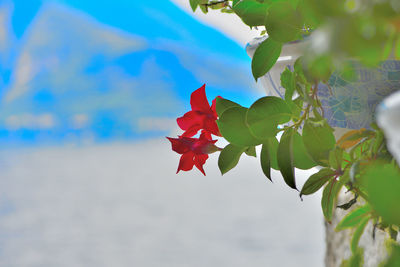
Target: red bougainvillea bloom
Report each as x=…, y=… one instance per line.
x=194, y=150
x=201, y=117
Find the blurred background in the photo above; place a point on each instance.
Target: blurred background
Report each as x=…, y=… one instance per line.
x=89, y=90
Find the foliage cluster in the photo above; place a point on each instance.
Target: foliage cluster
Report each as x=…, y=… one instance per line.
x=367, y=31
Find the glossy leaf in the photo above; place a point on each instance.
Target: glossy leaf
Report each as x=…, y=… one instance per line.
x=318, y=140
x=285, y=158
x=194, y=4
x=316, y=181
x=223, y=104
x=233, y=127
x=301, y=158
x=382, y=184
x=265, y=56
x=229, y=157
x=351, y=138
x=268, y=157
x=336, y=158
x=251, y=151
x=329, y=196
x=354, y=217
x=288, y=82
x=251, y=12
x=283, y=22
x=264, y=116
x=394, y=258
x=358, y=233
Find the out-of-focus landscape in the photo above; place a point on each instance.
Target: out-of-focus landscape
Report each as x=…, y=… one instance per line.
x=89, y=90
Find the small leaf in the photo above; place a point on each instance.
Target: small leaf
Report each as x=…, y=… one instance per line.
x=351, y=138
x=382, y=184
x=264, y=116
x=329, y=196
x=301, y=158
x=268, y=156
x=194, y=4
x=318, y=140
x=233, y=127
x=357, y=234
x=251, y=151
x=251, y=12
x=394, y=258
x=229, y=157
x=223, y=104
x=335, y=158
x=288, y=82
x=316, y=181
x=283, y=22
x=285, y=158
x=265, y=56
x=354, y=217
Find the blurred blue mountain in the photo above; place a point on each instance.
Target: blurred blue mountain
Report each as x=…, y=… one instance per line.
x=78, y=70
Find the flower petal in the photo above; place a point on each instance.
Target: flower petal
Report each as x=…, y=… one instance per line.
x=211, y=126
x=186, y=162
x=192, y=131
x=199, y=161
x=198, y=100
x=178, y=146
x=189, y=119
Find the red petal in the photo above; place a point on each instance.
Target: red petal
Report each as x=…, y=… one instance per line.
x=189, y=119
x=198, y=100
x=178, y=146
x=192, y=131
x=211, y=126
x=186, y=162
x=199, y=161
x=205, y=135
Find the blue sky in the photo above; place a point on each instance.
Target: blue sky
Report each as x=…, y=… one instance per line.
x=109, y=70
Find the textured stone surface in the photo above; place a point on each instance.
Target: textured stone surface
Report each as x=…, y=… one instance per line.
x=338, y=243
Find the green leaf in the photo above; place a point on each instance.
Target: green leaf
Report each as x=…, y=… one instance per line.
x=318, y=68
x=296, y=106
x=229, y=157
x=265, y=56
x=251, y=151
x=283, y=22
x=285, y=158
x=268, y=156
x=264, y=116
x=289, y=83
x=397, y=48
x=394, y=258
x=203, y=6
x=223, y=104
x=301, y=158
x=318, y=140
x=316, y=181
x=194, y=4
x=329, y=196
x=357, y=234
x=382, y=184
x=356, y=260
x=335, y=158
x=251, y=12
x=233, y=127
x=354, y=217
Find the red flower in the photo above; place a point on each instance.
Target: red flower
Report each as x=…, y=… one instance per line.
x=202, y=116
x=194, y=151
